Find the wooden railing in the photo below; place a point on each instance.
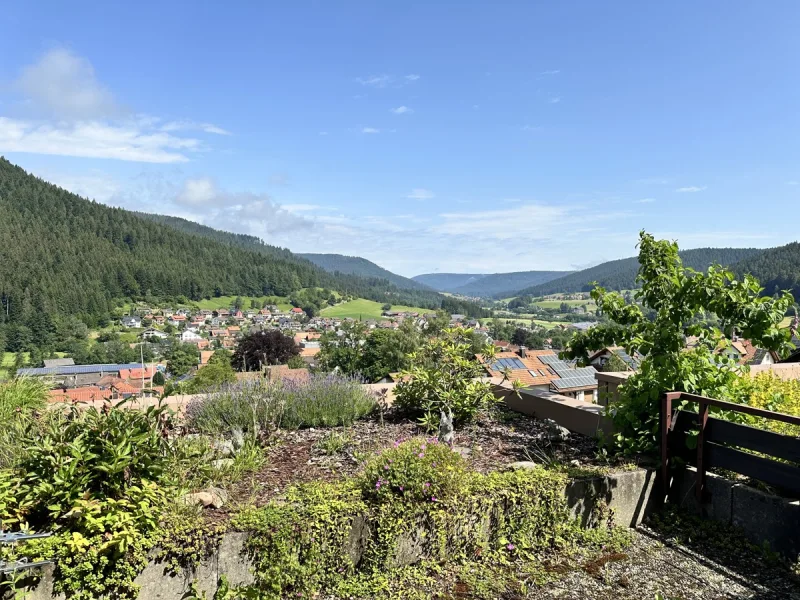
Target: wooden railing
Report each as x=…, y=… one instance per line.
x=718, y=439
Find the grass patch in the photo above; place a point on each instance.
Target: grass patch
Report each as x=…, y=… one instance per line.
x=365, y=309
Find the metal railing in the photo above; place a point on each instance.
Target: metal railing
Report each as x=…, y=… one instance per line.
x=18, y=565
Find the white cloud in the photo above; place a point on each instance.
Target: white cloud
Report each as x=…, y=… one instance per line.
x=279, y=179
x=370, y=130
x=72, y=114
x=555, y=99
x=243, y=212
x=401, y=110
x=94, y=139
x=690, y=189
x=384, y=81
x=378, y=81
x=64, y=85
x=645, y=201
x=420, y=194
x=793, y=182
x=191, y=125
x=531, y=128
x=323, y=133
x=550, y=72
x=296, y=208
x=531, y=221
x=93, y=185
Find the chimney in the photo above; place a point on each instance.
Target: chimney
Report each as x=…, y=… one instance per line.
x=523, y=351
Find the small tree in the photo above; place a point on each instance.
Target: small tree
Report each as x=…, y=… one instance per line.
x=342, y=350
x=158, y=378
x=182, y=358
x=677, y=297
x=262, y=348
x=386, y=307
x=444, y=377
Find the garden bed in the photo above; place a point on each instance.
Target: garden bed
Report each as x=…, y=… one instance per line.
x=497, y=439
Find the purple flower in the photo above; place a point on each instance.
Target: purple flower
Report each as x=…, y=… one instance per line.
x=421, y=455
x=385, y=467
x=426, y=485
x=511, y=546
x=433, y=498
x=401, y=488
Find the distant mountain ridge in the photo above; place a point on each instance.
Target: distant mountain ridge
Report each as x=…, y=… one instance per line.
x=486, y=285
x=355, y=265
x=621, y=274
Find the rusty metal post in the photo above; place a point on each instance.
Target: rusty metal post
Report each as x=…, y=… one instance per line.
x=702, y=421
x=665, y=418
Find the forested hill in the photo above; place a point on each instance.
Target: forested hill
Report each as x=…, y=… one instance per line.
x=486, y=286
x=447, y=282
x=776, y=268
x=374, y=284
x=505, y=284
x=63, y=254
x=621, y=274
x=355, y=265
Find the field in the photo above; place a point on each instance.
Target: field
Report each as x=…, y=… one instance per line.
x=558, y=303
x=526, y=322
x=364, y=309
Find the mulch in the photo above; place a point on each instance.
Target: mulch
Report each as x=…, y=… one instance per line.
x=496, y=439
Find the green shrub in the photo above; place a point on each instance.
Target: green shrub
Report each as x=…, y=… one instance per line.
x=444, y=376
x=770, y=392
x=21, y=395
x=417, y=470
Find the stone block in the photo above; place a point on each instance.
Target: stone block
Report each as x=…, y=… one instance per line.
x=767, y=519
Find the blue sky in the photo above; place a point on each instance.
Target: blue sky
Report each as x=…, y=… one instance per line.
x=425, y=136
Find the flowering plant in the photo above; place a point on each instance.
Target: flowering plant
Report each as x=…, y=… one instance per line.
x=417, y=470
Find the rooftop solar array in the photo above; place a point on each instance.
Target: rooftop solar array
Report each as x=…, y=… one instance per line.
x=78, y=369
x=583, y=377
x=508, y=363
x=626, y=358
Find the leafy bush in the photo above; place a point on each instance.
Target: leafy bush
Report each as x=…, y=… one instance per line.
x=444, y=376
x=769, y=392
x=261, y=405
x=91, y=462
x=417, y=470
x=22, y=394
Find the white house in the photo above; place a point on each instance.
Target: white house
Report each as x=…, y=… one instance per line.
x=189, y=336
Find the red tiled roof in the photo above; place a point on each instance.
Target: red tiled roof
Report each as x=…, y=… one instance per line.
x=310, y=351
x=544, y=374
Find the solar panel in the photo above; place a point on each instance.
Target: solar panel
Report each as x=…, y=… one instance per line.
x=548, y=358
x=573, y=382
x=78, y=369
x=508, y=363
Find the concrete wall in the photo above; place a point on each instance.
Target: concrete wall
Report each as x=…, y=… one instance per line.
x=576, y=415
x=782, y=370
x=764, y=518
x=607, y=384
x=629, y=495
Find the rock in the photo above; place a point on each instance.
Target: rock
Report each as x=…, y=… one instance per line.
x=212, y=496
x=523, y=465
x=198, y=499
x=237, y=438
x=462, y=450
x=224, y=448
x=574, y=463
x=222, y=463
x=555, y=432
x=218, y=496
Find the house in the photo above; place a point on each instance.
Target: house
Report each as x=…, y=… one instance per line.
x=205, y=356
x=189, y=336
x=131, y=321
x=223, y=312
x=80, y=394
x=543, y=370
x=159, y=319
x=297, y=311
x=59, y=362
x=152, y=333
x=234, y=330
x=455, y=317
x=201, y=344
x=583, y=325
x=601, y=357
x=177, y=320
